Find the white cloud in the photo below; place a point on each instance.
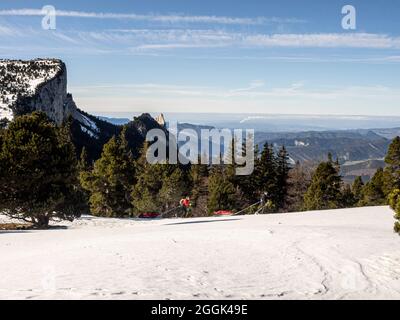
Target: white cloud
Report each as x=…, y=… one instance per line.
x=179, y=39
x=325, y=40
x=171, y=18
x=255, y=89
x=9, y=31
x=153, y=40
x=256, y=84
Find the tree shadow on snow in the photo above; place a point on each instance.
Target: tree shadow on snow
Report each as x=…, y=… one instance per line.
x=14, y=231
x=32, y=229
x=203, y=221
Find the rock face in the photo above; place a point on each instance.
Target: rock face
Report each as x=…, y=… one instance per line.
x=51, y=97
x=35, y=85
x=38, y=85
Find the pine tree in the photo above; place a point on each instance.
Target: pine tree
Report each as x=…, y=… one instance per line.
x=230, y=167
x=391, y=177
x=174, y=186
x=111, y=180
x=266, y=175
x=348, y=198
x=283, y=169
x=83, y=164
x=38, y=171
x=393, y=155
x=394, y=202
x=83, y=169
x=149, y=182
x=250, y=185
x=298, y=182
x=198, y=171
x=145, y=193
x=325, y=188
x=198, y=177
x=357, y=189
x=222, y=192
x=373, y=192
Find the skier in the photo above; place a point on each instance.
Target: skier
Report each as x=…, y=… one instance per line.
x=186, y=205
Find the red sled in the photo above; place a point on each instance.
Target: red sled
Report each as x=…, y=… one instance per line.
x=149, y=215
x=223, y=213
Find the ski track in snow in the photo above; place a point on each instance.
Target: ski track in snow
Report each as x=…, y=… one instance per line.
x=339, y=254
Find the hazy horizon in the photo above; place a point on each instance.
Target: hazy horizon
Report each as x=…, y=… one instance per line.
x=271, y=122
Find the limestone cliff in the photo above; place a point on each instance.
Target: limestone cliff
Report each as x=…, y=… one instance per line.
x=38, y=85
x=41, y=85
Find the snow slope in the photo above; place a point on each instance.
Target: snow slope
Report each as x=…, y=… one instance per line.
x=341, y=254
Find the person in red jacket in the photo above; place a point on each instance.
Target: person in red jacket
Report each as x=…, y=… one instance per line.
x=186, y=206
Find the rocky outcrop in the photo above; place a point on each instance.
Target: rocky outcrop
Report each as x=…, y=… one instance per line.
x=161, y=120
x=50, y=97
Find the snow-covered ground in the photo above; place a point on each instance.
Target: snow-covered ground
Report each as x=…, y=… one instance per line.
x=341, y=254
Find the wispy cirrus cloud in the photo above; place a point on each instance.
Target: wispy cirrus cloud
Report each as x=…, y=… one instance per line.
x=161, y=41
x=326, y=40
x=8, y=31
x=173, y=39
x=181, y=39
x=151, y=39
x=170, y=18
x=255, y=89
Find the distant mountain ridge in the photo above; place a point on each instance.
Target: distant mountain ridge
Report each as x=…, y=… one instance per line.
x=360, y=151
x=313, y=146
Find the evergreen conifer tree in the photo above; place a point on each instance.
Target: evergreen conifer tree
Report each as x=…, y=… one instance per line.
x=283, y=169
x=198, y=177
x=221, y=191
x=174, y=186
x=394, y=202
x=391, y=178
x=250, y=185
x=393, y=155
x=111, y=180
x=266, y=174
x=373, y=193
x=83, y=163
x=38, y=171
x=348, y=198
x=324, y=191
x=145, y=193
x=357, y=189
x=159, y=186
x=298, y=182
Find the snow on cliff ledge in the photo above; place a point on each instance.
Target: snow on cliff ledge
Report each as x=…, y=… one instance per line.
x=21, y=79
x=39, y=85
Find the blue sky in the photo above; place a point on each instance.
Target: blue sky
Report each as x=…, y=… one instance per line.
x=216, y=56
